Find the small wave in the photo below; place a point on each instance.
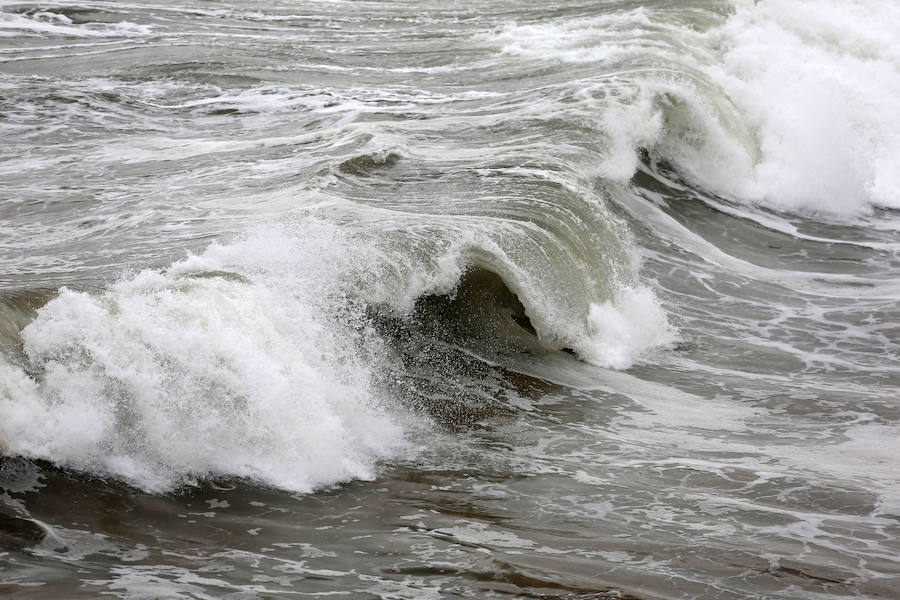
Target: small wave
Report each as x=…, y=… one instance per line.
x=72, y=22
x=364, y=164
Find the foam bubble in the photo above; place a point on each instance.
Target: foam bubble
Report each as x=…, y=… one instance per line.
x=624, y=329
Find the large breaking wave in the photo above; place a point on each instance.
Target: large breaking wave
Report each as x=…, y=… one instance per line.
x=259, y=357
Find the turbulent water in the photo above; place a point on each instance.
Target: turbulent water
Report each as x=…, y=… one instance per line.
x=450, y=299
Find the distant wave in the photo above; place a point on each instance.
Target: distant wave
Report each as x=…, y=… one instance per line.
x=790, y=104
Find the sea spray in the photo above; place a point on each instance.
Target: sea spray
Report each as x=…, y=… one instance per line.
x=238, y=362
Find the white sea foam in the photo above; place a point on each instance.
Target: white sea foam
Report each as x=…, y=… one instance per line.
x=243, y=361
x=624, y=329
x=49, y=23
x=819, y=82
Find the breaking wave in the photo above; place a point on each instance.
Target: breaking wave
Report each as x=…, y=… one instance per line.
x=257, y=358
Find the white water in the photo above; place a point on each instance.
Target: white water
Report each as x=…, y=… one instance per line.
x=625, y=329
x=244, y=361
x=169, y=377
x=47, y=22
x=819, y=83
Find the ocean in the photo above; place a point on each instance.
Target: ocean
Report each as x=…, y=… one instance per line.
x=468, y=299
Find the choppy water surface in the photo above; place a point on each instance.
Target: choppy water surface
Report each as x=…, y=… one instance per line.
x=427, y=300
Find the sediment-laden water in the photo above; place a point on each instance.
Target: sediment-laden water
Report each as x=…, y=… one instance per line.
x=462, y=299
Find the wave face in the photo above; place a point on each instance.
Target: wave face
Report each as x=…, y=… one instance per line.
x=441, y=278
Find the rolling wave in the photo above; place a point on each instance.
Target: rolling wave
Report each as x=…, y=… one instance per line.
x=256, y=357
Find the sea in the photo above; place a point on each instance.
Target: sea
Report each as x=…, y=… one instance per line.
x=492, y=299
